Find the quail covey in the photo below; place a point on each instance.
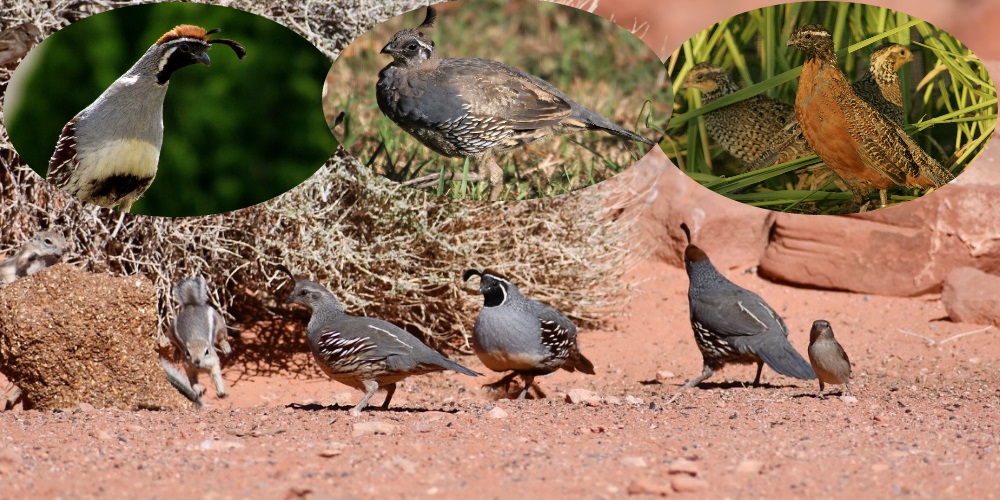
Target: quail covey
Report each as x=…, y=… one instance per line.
x=516, y=333
x=828, y=358
x=470, y=107
x=734, y=325
x=866, y=149
x=15, y=42
x=364, y=353
x=108, y=153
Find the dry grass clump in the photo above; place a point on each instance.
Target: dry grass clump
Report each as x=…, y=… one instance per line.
x=384, y=250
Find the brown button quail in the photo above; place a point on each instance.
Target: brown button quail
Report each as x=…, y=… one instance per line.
x=828, y=358
x=474, y=107
x=866, y=149
x=747, y=129
x=880, y=86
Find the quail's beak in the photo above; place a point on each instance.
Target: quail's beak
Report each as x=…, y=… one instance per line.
x=387, y=50
x=203, y=58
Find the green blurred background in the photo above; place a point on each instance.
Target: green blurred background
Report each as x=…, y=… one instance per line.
x=236, y=133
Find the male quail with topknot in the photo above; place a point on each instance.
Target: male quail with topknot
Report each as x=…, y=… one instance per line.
x=472, y=107
x=734, y=325
x=367, y=354
x=516, y=333
x=108, y=153
x=828, y=357
x=866, y=149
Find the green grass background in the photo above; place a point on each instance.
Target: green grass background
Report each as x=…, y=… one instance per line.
x=596, y=62
x=949, y=99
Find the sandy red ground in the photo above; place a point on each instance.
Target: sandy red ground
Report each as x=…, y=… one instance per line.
x=923, y=423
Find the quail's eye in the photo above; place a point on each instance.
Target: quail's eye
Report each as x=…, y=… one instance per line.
x=48, y=241
x=700, y=77
x=808, y=35
x=185, y=48
x=411, y=46
x=206, y=351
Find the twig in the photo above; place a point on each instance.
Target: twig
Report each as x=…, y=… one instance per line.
x=929, y=340
x=960, y=335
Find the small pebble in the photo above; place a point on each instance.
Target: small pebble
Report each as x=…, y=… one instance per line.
x=684, y=466
x=374, y=427
x=686, y=484
x=497, y=413
x=647, y=487
x=637, y=462
x=578, y=396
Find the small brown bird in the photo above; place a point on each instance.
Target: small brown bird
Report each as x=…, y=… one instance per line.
x=880, y=86
x=747, y=129
x=866, y=149
x=827, y=357
x=17, y=41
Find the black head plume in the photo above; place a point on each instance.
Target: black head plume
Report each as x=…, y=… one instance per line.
x=282, y=268
x=429, y=19
x=233, y=44
x=470, y=273
x=687, y=232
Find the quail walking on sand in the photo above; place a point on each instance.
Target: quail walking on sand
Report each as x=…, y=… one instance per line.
x=734, y=325
x=108, y=153
x=516, y=333
x=866, y=149
x=470, y=107
x=828, y=358
x=367, y=354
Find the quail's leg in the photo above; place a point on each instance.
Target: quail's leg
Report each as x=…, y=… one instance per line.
x=760, y=368
x=820, y=393
x=370, y=387
x=13, y=397
x=220, y=386
x=528, y=380
x=706, y=372
x=504, y=382
x=389, y=391
x=192, y=374
x=847, y=389
x=489, y=169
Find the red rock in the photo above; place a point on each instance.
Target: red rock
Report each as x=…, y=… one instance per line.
x=648, y=487
x=685, y=484
x=972, y=296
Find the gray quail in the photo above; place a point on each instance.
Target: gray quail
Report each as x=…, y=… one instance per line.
x=734, y=325
x=367, y=354
x=44, y=249
x=108, y=153
x=866, y=149
x=516, y=333
x=828, y=358
x=746, y=129
x=473, y=107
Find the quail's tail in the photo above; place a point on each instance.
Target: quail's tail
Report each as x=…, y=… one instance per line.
x=453, y=366
x=593, y=120
x=779, y=354
x=180, y=382
x=577, y=361
x=930, y=173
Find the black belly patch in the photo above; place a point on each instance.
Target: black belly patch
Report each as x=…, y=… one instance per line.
x=119, y=186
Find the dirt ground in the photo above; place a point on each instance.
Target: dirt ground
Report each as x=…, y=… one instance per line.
x=922, y=422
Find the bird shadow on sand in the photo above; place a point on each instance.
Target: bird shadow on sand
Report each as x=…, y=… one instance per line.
x=312, y=407
x=739, y=385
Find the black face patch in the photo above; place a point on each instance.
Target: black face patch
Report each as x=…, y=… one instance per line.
x=119, y=186
x=494, y=291
x=181, y=53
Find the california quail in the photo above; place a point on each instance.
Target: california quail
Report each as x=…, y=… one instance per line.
x=108, y=153
x=747, y=128
x=866, y=149
x=880, y=86
x=734, y=325
x=474, y=107
x=15, y=42
x=516, y=333
x=44, y=249
x=827, y=357
x=199, y=330
x=365, y=353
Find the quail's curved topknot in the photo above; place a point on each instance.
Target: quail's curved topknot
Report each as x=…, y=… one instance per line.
x=429, y=18
x=282, y=268
x=199, y=33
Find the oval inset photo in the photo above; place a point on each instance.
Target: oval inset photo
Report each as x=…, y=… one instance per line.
x=491, y=100
x=148, y=109
x=825, y=108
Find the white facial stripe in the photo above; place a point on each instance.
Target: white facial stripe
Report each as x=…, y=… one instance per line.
x=424, y=44
x=166, y=57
